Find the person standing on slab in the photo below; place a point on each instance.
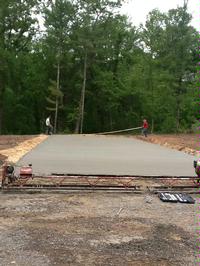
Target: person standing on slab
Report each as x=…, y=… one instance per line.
x=145, y=127
x=49, y=126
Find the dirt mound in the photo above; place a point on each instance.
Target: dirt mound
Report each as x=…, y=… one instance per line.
x=14, y=147
x=2, y=159
x=187, y=143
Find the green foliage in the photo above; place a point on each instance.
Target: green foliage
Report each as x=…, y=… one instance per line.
x=130, y=73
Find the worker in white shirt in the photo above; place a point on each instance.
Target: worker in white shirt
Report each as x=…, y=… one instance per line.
x=49, y=126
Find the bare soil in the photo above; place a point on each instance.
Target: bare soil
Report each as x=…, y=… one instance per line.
x=188, y=143
x=12, y=148
x=94, y=229
x=11, y=141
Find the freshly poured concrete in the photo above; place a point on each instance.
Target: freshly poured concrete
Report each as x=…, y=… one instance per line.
x=90, y=154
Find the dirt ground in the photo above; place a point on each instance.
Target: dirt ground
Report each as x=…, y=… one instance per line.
x=7, y=142
x=188, y=143
x=12, y=148
x=95, y=228
x=10, y=141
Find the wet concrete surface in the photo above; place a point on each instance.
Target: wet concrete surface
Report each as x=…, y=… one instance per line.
x=111, y=155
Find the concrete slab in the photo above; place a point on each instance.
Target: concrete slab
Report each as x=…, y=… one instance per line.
x=91, y=154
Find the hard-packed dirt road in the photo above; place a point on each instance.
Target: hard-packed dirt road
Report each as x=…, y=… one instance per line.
x=94, y=229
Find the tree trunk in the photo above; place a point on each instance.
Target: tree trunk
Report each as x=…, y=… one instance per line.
x=83, y=91
x=1, y=116
x=178, y=103
x=2, y=88
x=152, y=126
x=152, y=94
x=80, y=119
x=56, y=107
x=3, y=64
x=111, y=120
x=178, y=116
x=185, y=4
x=76, y=131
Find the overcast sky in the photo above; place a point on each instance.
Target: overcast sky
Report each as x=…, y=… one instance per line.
x=137, y=10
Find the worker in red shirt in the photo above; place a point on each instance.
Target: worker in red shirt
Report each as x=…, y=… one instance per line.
x=145, y=127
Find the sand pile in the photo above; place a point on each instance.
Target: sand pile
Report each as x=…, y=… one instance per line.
x=15, y=153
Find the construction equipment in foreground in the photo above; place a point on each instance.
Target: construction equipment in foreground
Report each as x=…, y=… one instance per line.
x=25, y=180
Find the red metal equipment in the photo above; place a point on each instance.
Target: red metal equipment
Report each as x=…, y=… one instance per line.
x=26, y=172
x=26, y=180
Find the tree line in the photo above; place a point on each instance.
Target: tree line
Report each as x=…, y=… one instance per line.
x=94, y=71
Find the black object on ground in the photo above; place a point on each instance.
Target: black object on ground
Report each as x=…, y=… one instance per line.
x=176, y=197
